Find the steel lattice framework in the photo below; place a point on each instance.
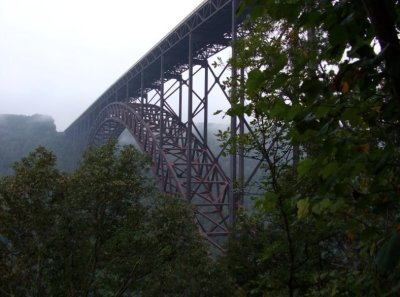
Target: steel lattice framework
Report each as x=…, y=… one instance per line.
x=209, y=190
x=140, y=101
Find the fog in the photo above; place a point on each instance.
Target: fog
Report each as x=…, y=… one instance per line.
x=57, y=56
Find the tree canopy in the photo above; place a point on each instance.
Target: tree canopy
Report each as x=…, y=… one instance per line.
x=321, y=88
x=100, y=231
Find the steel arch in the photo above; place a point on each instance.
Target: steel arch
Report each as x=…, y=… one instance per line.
x=210, y=186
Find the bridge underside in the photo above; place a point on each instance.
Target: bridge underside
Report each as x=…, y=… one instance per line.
x=209, y=186
x=159, y=101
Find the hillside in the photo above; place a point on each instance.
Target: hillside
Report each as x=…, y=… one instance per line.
x=20, y=134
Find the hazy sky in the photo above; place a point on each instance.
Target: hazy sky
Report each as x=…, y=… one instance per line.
x=58, y=56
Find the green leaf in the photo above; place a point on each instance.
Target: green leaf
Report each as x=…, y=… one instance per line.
x=280, y=61
x=294, y=111
x=303, y=207
x=304, y=167
x=255, y=81
x=311, y=87
x=389, y=255
x=262, y=107
x=322, y=206
x=351, y=115
x=270, y=250
x=238, y=110
x=357, y=169
x=269, y=202
x=338, y=35
x=340, y=203
x=329, y=169
x=280, y=109
x=280, y=80
x=322, y=111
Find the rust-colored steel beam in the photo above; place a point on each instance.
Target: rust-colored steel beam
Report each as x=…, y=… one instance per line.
x=210, y=185
x=158, y=100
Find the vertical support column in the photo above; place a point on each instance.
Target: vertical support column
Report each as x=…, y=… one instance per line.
x=162, y=128
x=141, y=93
x=233, y=159
x=180, y=97
x=162, y=102
x=127, y=92
x=205, y=103
x=190, y=124
x=241, y=149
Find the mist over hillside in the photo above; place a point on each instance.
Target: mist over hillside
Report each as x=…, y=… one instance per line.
x=20, y=134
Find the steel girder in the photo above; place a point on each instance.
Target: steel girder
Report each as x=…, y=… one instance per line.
x=210, y=185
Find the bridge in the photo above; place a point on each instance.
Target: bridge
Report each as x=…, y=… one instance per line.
x=163, y=101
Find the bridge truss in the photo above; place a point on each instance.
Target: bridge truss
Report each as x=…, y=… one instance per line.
x=158, y=102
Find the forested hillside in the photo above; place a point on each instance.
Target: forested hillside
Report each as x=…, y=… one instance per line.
x=20, y=134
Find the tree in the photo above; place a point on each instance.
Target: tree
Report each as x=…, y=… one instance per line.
x=102, y=228
x=27, y=228
x=322, y=89
x=184, y=266
x=100, y=231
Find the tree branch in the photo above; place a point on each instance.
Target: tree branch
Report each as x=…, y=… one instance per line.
x=385, y=31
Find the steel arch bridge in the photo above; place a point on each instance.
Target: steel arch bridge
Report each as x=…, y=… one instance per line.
x=158, y=101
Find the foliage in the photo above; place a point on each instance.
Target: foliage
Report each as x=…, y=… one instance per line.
x=100, y=231
x=322, y=89
x=27, y=228
x=183, y=265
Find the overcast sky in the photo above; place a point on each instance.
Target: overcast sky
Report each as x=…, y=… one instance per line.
x=58, y=56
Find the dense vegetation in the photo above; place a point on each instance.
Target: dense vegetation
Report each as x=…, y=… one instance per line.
x=100, y=231
x=322, y=86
